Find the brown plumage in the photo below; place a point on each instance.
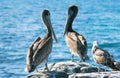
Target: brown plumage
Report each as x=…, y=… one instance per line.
x=101, y=56
x=41, y=48
x=75, y=41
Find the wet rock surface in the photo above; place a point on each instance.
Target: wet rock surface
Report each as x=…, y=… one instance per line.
x=73, y=70
x=114, y=74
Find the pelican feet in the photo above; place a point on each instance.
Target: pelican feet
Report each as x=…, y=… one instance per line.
x=46, y=68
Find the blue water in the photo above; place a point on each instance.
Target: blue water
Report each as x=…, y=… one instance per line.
x=20, y=24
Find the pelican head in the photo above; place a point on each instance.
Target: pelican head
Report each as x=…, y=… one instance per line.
x=47, y=22
x=72, y=13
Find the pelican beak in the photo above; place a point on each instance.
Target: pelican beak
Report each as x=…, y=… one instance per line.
x=65, y=31
x=48, y=18
x=54, y=35
x=66, y=26
x=67, y=22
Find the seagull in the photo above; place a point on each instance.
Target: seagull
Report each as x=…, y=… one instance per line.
x=101, y=56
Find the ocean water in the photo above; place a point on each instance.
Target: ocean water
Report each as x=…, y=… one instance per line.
x=21, y=24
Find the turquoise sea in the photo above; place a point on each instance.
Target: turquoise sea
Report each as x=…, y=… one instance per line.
x=21, y=24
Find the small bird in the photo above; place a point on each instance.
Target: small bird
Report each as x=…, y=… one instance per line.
x=39, y=51
x=75, y=41
x=101, y=56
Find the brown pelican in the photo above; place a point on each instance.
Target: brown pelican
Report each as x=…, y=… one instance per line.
x=101, y=56
x=75, y=41
x=41, y=48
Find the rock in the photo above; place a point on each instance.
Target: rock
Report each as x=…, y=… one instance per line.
x=41, y=75
x=88, y=69
x=51, y=74
x=68, y=67
x=71, y=70
x=114, y=74
x=61, y=75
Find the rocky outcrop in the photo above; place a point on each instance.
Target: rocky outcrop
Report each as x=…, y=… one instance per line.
x=114, y=74
x=72, y=70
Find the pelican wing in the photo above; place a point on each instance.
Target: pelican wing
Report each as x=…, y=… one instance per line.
x=36, y=40
x=82, y=44
x=82, y=40
x=78, y=40
x=31, y=50
x=104, y=54
x=42, y=51
x=74, y=38
x=36, y=43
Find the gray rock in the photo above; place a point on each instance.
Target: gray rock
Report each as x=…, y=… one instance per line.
x=72, y=70
x=88, y=69
x=46, y=74
x=114, y=74
x=41, y=75
x=68, y=67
